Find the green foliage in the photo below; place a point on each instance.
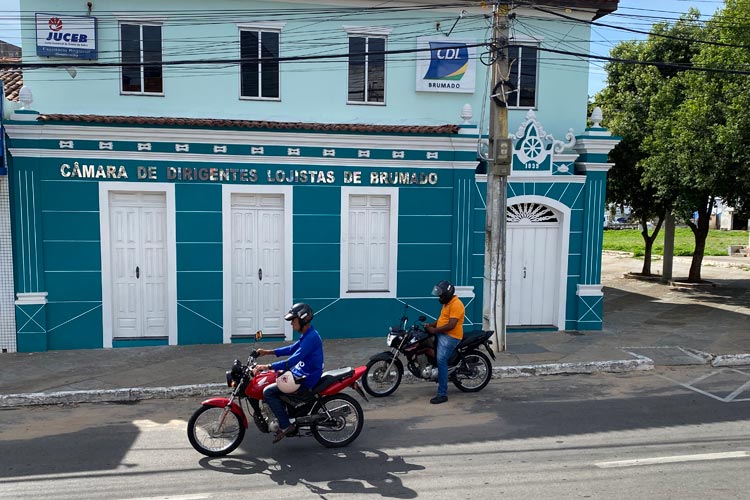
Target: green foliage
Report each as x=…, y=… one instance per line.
x=686, y=134
x=630, y=240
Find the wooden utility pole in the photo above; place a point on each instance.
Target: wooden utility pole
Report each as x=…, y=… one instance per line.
x=498, y=168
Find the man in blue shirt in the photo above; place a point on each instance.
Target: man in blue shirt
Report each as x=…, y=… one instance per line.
x=305, y=363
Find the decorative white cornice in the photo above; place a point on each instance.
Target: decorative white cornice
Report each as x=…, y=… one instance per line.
x=589, y=291
x=598, y=133
x=515, y=178
x=31, y=298
x=278, y=161
x=594, y=167
x=568, y=179
x=230, y=137
x=565, y=158
x=25, y=115
x=595, y=146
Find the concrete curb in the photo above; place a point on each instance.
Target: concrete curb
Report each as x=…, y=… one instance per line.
x=731, y=360
x=110, y=395
x=641, y=363
x=707, y=357
x=141, y=393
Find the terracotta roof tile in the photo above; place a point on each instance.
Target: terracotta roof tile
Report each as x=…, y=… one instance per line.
x=12, y=79
x=251, y=124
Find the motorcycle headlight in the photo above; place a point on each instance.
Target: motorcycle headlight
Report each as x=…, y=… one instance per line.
x=235, y=374
x=389, y=339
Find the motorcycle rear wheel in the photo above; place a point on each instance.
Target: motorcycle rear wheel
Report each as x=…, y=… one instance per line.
x=207, y=438
x=473, y=373
x=345, y=424
x=377, y=382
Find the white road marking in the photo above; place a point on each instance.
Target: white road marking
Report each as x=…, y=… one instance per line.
x=197, y=496
x=739, y=391
x=667, y=460
x=150, y=424
x=731, y=398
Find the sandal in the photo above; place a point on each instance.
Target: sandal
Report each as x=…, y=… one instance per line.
x=281, y=434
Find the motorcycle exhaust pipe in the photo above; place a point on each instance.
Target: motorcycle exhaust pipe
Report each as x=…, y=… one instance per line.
x=310, y=419
x=321, y=417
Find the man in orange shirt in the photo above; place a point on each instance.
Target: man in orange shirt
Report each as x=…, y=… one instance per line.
x=449, y=331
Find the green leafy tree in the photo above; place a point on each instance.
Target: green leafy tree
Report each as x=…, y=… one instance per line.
x=699, y=148
x=632, y=101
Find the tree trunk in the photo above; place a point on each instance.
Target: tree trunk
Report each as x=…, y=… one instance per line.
x=697, y=262
x=648, y=243
x=700, y=233
x=646, y=271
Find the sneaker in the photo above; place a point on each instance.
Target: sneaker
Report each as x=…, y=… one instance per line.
x=439, y=399
x=281, y=434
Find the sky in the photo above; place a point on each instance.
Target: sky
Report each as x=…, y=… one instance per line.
x=635, y=14
x=10, y=31
x=639, y=15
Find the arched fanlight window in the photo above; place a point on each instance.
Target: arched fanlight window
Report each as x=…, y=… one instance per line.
x=530, y=213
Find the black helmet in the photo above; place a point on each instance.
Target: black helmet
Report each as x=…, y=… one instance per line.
x=444, y=291
x=302, y=311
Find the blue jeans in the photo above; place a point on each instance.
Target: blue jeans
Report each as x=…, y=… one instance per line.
x=272, y=395
x=445, y=346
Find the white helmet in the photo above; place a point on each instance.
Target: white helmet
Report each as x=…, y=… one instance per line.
x=286, y=383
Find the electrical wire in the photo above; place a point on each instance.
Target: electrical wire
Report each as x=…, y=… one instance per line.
x=631, y=30
x=325, y=52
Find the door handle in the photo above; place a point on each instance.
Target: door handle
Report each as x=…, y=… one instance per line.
x=137, y=272
x=260, y=274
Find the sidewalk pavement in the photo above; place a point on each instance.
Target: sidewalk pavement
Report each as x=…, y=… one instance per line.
x=647, y=323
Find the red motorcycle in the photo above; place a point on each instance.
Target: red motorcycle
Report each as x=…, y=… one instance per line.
x=334, y=419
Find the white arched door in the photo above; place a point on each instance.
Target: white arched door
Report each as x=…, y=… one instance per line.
x=532, y=266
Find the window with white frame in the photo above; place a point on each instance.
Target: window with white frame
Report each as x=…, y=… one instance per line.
x=259, y=71
x=523, y=60
x=366, y=69
x=141, y=54
x=369, y=233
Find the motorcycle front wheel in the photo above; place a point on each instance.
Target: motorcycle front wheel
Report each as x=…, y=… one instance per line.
x=379, y=381
x=473, y=373
x=209, y=437
x=344, y=423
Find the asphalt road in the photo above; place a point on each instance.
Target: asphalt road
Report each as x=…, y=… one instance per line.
x=671, y=433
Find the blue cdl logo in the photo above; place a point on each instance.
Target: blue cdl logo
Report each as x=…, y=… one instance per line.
x=448, y=61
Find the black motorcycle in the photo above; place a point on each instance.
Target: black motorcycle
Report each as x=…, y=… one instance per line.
x=469, y=369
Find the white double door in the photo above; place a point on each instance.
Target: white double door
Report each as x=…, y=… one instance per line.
x=138, y=239
x=257, y=264
x=533, y=272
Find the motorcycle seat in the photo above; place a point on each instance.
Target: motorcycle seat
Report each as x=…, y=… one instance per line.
x=331, y=377
x=474, y=337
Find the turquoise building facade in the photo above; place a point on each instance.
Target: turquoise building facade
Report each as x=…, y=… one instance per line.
x=159, y=219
